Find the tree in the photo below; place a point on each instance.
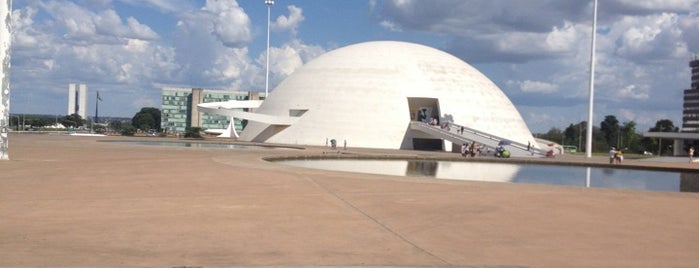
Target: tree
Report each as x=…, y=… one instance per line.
x=574, y=134
x=73, y=120
x=127, y=130
x=115, y=125
x=610, y=129
x=629, y=137
x=38, y=122
x=192, y=132
x=147, y=118
x=664, y=125
x=554, y=134
x=662, y=145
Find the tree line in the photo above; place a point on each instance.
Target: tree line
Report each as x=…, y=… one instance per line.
x=612, y=133
x=147, y=118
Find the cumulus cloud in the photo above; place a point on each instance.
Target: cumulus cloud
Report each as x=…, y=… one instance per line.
x=79, y=23
x=291, y=22
x=225, y=19
x=529, y=86
x=538, y=51
x=286, y=59
x=642, y=46
x=164, y=6
x=645, y=7
x=633, y=92
x=109, y=23
x=61, y=42
x=389, y=25
x=651, y=37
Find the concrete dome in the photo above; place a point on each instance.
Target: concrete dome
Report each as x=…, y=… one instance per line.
x=367, y=94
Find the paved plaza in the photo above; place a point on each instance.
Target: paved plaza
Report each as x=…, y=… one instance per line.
x=76, y=201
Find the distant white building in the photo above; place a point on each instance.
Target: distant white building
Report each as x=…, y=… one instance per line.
x=381, y=95
x=77, y=100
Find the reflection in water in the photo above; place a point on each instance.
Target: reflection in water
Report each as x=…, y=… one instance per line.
x=689, y=182
x=196, y=144
x=516, y=173
x=421, y=168
x=587, y=177
x=475, y=171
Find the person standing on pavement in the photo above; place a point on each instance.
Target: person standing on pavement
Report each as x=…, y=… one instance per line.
x=691, y=153
x=612, y=155
x=619, y=156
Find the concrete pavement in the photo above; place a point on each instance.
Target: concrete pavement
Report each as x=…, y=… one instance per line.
x=74, y=201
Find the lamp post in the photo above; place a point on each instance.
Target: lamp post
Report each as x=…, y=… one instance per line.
x=588, y=136
x=269, y=4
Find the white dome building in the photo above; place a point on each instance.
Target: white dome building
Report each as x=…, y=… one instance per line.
x=370, y=95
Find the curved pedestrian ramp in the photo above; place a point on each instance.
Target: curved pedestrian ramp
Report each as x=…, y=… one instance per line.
x=469, y=135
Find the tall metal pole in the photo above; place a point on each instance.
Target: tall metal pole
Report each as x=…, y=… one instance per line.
x=590, y=126
x=5, y=40
x=269, y=4
x=97, y=105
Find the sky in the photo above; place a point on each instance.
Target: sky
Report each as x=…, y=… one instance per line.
x=536, y=51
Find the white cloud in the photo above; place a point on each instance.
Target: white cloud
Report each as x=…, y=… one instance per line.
x=79, y=23
x=165, y=6
x=564, y=38
x=633, y=92
x=227, y=20
x=109, y=23
x=655, y=5
x=289, y=23
x=529, y=86
x=288, y=58
x=389, y=25
x=538, y=49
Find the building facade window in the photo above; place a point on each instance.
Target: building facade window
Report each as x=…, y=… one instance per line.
x=178, y=106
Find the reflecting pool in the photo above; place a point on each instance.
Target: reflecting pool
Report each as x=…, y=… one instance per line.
x=197, y=144
x=619, y=178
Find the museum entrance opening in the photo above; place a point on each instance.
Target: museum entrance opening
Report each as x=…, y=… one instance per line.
x=423, y=109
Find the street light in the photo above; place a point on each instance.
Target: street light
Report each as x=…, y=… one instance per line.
x=588, y=136
x=269, y=4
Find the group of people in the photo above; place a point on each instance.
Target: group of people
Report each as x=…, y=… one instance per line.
x=471, y=150
x=616, y=156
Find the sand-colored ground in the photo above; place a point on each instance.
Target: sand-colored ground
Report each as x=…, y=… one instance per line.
x=73, y=201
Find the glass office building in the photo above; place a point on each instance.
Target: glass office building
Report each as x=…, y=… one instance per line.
x=690, y=109
x=179, y=108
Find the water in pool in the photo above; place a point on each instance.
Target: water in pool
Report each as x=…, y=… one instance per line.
x=197, y=144
x=516, y=173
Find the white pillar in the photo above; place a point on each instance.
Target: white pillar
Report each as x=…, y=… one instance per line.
x=5, y=38
x=590, y=124
x=82, y=97
x=71, y=99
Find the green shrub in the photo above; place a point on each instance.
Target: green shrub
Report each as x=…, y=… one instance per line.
x=192, y=132
x=128, y=130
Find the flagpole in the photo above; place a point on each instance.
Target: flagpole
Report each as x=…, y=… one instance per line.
x=97, y=105
x=269, y=4
x=590, y=126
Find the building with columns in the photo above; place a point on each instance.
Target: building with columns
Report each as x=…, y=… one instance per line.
x=77, y=99
x=689, y=133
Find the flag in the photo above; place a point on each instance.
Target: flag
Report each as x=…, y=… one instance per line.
x=98, y=96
